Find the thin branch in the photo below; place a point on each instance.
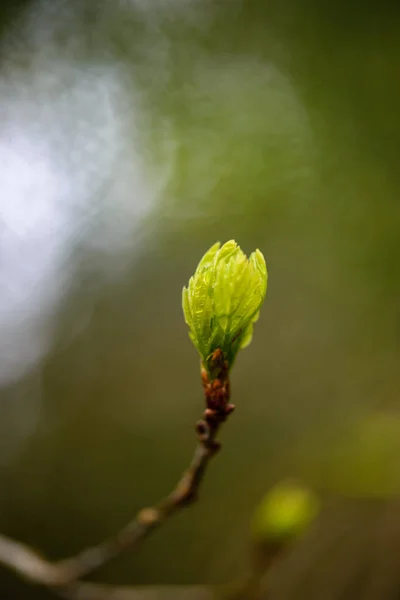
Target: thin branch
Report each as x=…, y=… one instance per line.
x=93, y=591
x=30, y=565
x=27, y=563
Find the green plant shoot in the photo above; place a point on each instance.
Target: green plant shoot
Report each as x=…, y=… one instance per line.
x=223, y=300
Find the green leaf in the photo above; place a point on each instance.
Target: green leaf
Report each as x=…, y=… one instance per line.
x=223, y=300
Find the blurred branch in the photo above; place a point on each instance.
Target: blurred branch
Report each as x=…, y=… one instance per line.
x=61, y=575
x=26, y=562
x=92, y=591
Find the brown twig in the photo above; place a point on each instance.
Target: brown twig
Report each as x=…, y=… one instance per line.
x=93, y=591
x=148, y=519
x=61, y=575
x=64, y=575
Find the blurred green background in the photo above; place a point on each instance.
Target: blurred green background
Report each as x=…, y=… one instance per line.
x=133, y=135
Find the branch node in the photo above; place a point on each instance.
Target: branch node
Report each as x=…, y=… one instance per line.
x=148, y=516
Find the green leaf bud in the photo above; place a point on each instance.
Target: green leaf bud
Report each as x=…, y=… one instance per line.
x=223, y=299
x=285, y=512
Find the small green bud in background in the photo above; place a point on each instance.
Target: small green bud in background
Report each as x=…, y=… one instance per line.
x=285, y=512
x=223, y=299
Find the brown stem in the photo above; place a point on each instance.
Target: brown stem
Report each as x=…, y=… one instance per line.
x=90, y=591
x=30, y=565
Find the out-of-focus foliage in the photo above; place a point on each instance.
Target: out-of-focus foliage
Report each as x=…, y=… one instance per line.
x=285, y=512
x=363, y=461
x=223, y=300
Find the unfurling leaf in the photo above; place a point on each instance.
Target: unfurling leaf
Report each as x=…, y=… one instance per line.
x=223, y=300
